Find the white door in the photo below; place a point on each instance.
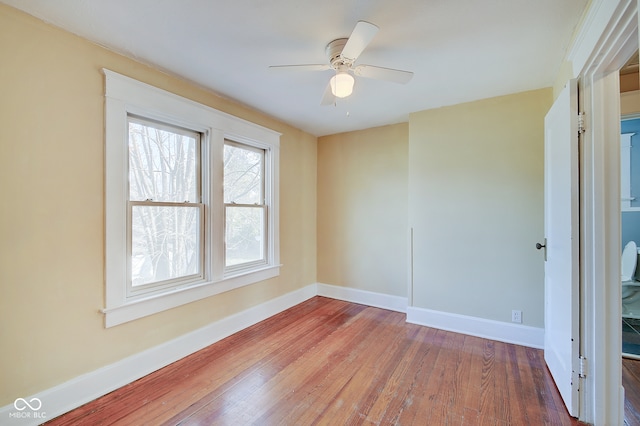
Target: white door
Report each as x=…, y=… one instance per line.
x=561, y=227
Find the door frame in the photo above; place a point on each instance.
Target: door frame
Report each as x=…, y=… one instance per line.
x=608, y=37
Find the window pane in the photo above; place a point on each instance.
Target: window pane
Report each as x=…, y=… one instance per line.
x=165, y=243
x=163, y=163
x=244, y=234
x=243, y=175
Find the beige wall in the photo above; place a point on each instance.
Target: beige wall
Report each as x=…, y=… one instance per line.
x=630, y=102
x=629, y=82
x=362, y=209
x=476, y=206
x=565, y=74
x=565, y=71
x=52, y=211
x=468, y=178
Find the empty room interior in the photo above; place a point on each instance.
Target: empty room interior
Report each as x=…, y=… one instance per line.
x=303, y=213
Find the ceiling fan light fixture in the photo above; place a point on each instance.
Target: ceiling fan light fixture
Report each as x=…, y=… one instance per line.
x=343, y=53
x=342, y=84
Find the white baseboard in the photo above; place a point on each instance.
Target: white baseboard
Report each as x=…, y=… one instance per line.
x=363, y=297
x=495, y=330
x=87, y=387
x=82, y=389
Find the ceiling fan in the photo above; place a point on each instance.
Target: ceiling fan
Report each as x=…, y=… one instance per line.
x=343, y=53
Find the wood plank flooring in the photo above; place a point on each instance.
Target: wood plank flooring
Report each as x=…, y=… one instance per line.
x=330, y=362
x=631, y=384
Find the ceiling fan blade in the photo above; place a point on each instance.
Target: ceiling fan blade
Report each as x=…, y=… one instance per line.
x=308, y=67
x=380, y=73
x=328, y=98
x=360, y=38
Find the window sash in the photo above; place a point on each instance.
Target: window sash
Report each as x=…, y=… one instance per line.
x=161, y=285
x=234, y=268
x=178, y=281
x=178, y=130
x=262, y=152
x=264, y=199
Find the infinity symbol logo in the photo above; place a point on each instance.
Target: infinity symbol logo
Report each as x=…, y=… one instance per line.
x=22, y=404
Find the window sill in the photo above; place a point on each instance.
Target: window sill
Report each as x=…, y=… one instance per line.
x=138, y=308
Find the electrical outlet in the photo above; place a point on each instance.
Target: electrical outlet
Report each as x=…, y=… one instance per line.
x=516, y=316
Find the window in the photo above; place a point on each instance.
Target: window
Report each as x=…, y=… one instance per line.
x=245, y=208
x=165, y=209
x=191, y=201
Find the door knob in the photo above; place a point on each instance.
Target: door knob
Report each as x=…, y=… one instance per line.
x=544, y=246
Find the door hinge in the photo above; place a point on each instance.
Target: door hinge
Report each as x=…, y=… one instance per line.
x=581, y=128
x=583, y=367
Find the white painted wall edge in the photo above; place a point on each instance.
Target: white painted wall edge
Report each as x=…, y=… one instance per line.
x=87, y=387
x=489, y=329
x=363, y=297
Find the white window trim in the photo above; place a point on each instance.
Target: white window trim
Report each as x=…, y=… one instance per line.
x=123, y=96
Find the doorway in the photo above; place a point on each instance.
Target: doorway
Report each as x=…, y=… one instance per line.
x=629, y=167
x=597, y=61
x=630, y=233
x=630, y=205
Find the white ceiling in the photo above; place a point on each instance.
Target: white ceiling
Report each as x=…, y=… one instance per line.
x=459, y=50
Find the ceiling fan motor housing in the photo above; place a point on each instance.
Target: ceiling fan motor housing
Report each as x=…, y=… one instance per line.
x=334, y=52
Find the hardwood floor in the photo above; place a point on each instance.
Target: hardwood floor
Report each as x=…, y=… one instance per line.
x=631, y=384
x=332, y=362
